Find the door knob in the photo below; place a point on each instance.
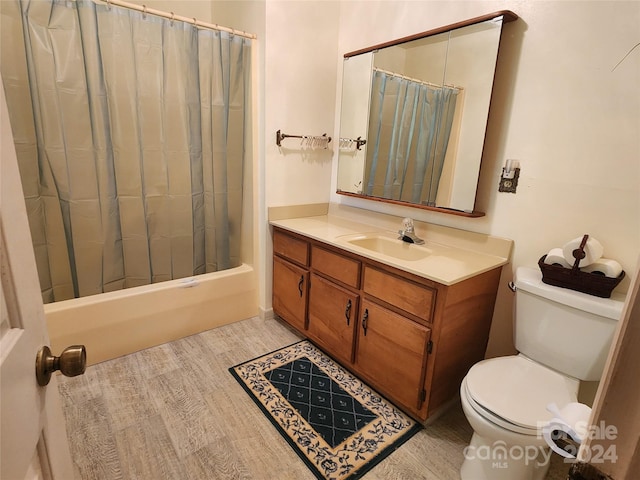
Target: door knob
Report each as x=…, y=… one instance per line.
x=71, y=362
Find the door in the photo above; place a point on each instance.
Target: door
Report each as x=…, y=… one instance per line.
x=392, y=351
x=333, y=311
x=290, y=293
x=34, y=438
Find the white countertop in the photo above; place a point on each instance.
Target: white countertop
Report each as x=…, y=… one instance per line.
x=454, y=255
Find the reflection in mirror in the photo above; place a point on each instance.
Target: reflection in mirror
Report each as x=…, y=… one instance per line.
x=422, y=105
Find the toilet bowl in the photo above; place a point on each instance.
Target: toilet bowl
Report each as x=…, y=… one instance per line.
x=509, y=445
x=562, y=337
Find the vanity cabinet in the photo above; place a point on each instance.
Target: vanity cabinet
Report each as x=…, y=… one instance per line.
x=410, y=338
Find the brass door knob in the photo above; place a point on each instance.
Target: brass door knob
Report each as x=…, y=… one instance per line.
x=71, y=362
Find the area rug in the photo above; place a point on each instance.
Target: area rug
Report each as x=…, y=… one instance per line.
x=338, y=426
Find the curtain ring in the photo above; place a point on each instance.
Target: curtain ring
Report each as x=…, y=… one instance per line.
x=109, y=5
x=144, y=11
x=172, y=17
x=195, y=22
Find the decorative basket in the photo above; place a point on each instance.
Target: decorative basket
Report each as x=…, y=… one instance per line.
x=575, y=279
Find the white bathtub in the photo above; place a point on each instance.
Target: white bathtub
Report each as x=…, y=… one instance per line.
x=118, y=323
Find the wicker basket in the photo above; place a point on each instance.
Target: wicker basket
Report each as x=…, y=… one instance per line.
x=575, y=279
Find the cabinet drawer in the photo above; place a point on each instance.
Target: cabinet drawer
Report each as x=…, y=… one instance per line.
x=291, y=248
x=399, y=292
x=343, y=269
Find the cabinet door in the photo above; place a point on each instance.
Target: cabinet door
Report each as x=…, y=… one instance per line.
x=290, y=287
x=391, y=352
x=333, y=311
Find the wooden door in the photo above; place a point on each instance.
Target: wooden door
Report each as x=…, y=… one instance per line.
x=333, y=313
x=290, y=289
x=391, y=351
x=34, y=438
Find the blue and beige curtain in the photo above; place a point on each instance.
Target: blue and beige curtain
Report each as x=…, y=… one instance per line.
x=409, y=130
x=130, y=132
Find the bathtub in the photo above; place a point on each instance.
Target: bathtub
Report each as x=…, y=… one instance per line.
x=118, y=323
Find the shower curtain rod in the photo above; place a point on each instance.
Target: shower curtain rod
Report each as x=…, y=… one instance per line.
x=172, y=16
x=394, y=74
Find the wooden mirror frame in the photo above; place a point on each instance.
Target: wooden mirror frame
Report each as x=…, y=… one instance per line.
x=508, y=16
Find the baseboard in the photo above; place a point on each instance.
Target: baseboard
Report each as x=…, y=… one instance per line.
x=265, y=314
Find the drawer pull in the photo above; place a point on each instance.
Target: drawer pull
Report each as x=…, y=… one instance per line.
x=347, y=312
x=300, y=283
x=365, y=319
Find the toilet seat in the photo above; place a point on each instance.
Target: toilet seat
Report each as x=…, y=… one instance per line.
x=496, y=419
x=513, y=392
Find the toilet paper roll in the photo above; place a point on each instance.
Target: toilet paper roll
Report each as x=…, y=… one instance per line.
x=604, y=266
x=556, y=257
x=565, y=432
x=593, y=251
x=577, y=415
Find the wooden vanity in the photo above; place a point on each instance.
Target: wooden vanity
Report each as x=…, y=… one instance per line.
x=409, y=337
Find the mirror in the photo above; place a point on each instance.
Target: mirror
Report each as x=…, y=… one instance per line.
x=414, y=116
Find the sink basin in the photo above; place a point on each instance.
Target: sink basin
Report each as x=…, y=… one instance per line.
x=388, y=245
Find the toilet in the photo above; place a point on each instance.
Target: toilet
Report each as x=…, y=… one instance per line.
x=562, y=337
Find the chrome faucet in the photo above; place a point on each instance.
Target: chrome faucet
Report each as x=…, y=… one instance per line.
x=407, y=234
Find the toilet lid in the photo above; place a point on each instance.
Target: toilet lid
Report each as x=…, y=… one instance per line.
x=518, y=389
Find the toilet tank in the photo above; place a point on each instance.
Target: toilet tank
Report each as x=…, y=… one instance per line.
x=568, y=331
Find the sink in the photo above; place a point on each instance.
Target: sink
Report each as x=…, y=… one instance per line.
x=388, y=245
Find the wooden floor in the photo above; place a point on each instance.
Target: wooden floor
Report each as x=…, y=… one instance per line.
x=175, y=412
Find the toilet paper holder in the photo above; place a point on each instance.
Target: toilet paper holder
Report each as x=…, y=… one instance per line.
x=575, y=279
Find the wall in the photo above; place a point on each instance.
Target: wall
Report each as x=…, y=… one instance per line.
x=300, y=76
x=300, y=89
x=571, y=121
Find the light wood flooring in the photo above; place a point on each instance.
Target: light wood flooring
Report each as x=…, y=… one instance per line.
x=175, y=412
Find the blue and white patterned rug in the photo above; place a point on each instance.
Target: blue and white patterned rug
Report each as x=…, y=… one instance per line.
x=339, y=426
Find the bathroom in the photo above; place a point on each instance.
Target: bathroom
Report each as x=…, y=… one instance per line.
x=565, y=105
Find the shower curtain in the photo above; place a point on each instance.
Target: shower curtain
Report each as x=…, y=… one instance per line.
x=130, y=131
x=410, y=127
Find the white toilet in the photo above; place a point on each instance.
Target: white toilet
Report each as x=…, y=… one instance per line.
x=563, y=336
